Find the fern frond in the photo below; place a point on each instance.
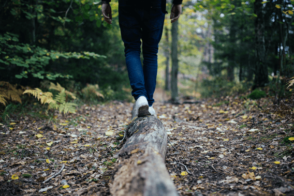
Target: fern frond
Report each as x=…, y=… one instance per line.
x=60, y=98
x=13, y=95
x=67, y=108
x=59, y=88
x=3, y=100
x=291, y=82
x=35, y=92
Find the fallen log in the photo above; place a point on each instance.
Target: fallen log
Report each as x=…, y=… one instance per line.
x=141, y=167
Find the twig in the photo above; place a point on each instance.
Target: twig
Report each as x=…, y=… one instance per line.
x=213, y=168
x=67, y=11
x=185, y=167
x=54, y=175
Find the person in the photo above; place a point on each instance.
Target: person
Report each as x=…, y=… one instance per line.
x=142, y=20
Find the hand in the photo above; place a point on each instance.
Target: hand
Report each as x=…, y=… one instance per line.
x=175, y=12
x=106, y=11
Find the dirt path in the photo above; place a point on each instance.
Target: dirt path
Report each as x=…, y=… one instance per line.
x=216, y=148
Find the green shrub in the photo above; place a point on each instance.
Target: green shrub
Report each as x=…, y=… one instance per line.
x=257, y=94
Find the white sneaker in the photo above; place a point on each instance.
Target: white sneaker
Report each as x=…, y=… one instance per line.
x=140, y=108
x=152, y=111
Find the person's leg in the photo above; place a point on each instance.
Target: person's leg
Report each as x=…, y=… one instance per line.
x=151, y=35
x=130, y=24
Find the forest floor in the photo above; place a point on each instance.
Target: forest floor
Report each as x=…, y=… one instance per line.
x=228, y=146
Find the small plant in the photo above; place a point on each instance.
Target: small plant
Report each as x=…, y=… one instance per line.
x=60, y=100
x=91, y=92
x=257, y=94
x=26, y=175
x=10, y=92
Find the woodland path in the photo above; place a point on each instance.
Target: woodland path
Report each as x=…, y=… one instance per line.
x=230, y=147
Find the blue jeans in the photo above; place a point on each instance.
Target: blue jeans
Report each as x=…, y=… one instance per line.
x=144, y=23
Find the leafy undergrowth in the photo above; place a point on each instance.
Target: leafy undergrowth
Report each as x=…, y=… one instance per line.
x=233, y=147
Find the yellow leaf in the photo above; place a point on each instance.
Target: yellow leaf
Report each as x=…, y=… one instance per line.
x=109, y=133
x=277, y=162
x=65, y=186
x=10, y=128
x=258, y=148
x=278, y=6
x=247, y=150
x=48, y=148
x=221, y=112
x=184, y=173
x=139, y=162
x=49, y=143
x=87, y=145
x=39, y=135
x=88, y=127
x=226, y=140
x=253, y=168
x=244, y=117
x=211, y=158
x=12, y=123
x=63, y=161
x=47, y=161
x=14, y=177
x=74, y=142
x=291, y=138
x=263, y=2
x=63, y=124
x=46, y=169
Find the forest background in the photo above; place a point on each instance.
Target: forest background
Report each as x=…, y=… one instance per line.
x=218, y=47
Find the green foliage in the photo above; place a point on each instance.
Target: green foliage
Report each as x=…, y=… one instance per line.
x=33, y=60
x=26, y=175
x=219, y=86
x=257, y=94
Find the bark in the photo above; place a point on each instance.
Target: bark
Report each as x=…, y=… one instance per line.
x=175, y=62
x=141, y=170
x=261, y=72
x=231, y=57
x=167, y=54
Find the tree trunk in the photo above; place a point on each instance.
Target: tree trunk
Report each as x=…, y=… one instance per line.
x=175, y=62
x=231, y=57
x=261, y=72
x=167, y=54
x=141, y=170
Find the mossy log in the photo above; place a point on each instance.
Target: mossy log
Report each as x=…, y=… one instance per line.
x=141, y=167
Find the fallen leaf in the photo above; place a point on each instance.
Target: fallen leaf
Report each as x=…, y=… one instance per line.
x=249, y=175
x=48, y=148
x=65, y=186
x=226, y=140
x=277, y=162
x=49, y=144
x=139, y=162
x=184, y=173
x=39, y=135
x=134, y=151
x=14, y=177
x=109, y=133
x=291, y=138
x=47, y=161
x=258, y=148
x=253, y=168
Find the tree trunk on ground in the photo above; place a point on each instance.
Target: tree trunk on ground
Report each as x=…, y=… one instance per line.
x=141, y=170
x=175, y=62
x=167, y=54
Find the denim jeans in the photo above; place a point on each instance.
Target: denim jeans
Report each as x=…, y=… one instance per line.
x=141, y=22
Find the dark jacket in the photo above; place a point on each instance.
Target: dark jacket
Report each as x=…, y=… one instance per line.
x=163, y=3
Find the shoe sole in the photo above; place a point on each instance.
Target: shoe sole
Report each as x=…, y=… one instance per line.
x=144, y=111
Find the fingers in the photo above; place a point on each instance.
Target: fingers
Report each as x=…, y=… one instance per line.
x=106, y=12
x=175, y=19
